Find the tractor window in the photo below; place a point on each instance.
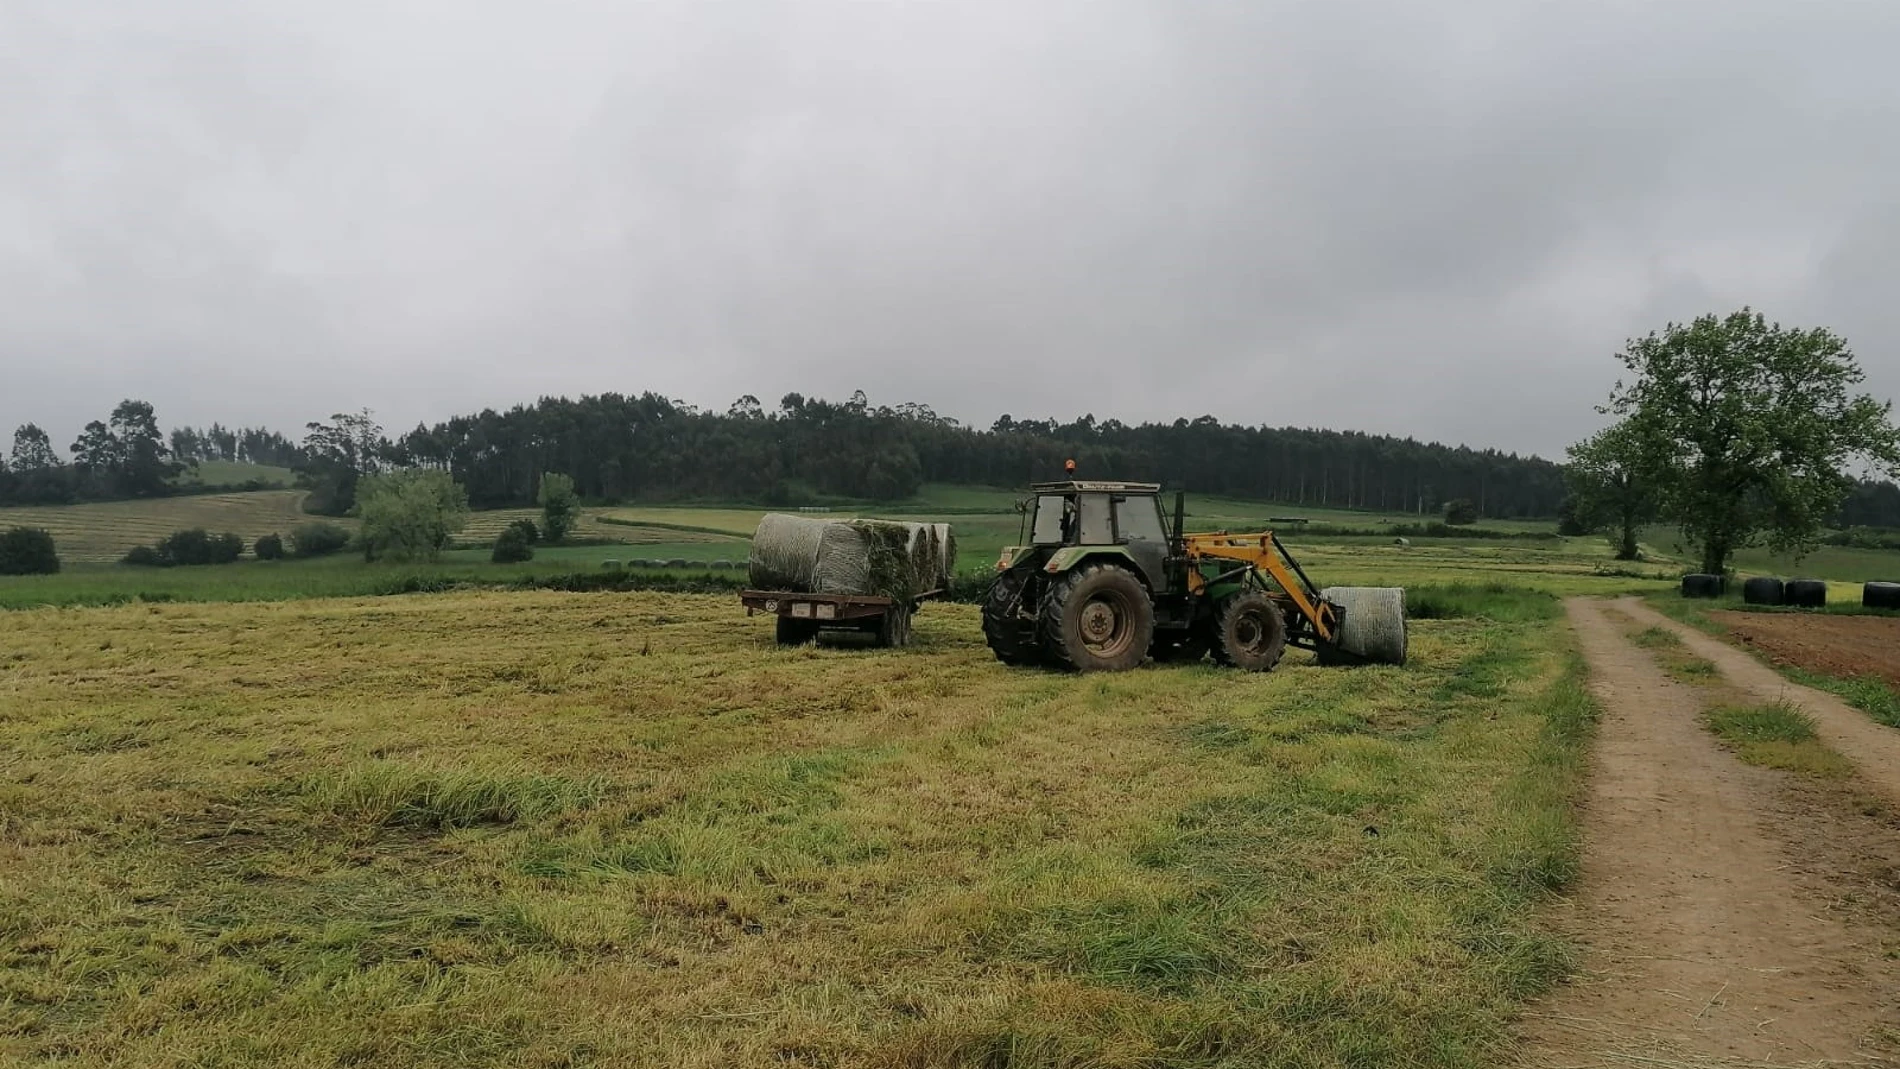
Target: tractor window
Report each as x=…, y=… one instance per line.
x=1048, y=530
x=1096, y=529
x=1139, y=517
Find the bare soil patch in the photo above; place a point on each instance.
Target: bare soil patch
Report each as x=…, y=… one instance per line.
x=1837, y=645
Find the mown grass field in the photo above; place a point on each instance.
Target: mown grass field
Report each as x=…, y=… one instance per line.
x=570, y=829
x=232, y=473
x=90, y=537
x=101, y=532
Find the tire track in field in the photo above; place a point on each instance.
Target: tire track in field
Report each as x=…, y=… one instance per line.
x=1702, y=945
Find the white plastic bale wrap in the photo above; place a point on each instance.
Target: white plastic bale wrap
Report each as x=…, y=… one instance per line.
x=947, y=544
x=824, y=556
x=1374, y=624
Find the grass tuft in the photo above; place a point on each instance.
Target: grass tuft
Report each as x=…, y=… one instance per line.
x=1497, y=602
x=392, y=794
x=1776, y=735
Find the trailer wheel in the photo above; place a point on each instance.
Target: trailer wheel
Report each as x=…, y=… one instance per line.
x=1097, y=618
x=793, y=632
x=893, y=628
x=1250, y=632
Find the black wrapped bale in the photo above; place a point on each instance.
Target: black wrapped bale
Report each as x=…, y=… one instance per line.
x=1700, y=585
x=1880, y=596
x=1805, y=593
x=1762, y=590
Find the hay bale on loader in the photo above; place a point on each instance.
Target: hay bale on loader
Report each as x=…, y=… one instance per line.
x=1373, y=626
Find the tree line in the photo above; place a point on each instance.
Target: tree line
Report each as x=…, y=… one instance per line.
x=621, y=448
x=647, y=447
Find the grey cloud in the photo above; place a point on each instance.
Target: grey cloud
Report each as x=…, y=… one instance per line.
x=1438, y=220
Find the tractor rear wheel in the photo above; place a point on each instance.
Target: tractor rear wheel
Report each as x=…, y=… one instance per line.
x=1010, y=637
x=1097, y=618
x=793, y=632
x=1249, y=632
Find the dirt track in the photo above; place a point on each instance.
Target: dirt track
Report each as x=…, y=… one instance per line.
x=1729, y=914
x=1837, y=645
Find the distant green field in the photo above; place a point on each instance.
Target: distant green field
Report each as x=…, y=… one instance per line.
x=1837, y=564
x=985, y=520
x=234, y=473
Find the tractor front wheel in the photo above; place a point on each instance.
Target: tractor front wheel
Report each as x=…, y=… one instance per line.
x=1097, y=618
x=1250, y=632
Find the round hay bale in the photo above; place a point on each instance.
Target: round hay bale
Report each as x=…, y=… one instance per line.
x=676, y=562
x=1880, y=596
x=1402, y=542
x=1701, y=585
x=722, y=565
x=1763, y=590
x=1372, y=627
x=610, y=565
x=1805, y=593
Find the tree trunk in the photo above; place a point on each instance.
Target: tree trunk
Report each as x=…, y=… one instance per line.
x=1627, y=550
x=1714, y=556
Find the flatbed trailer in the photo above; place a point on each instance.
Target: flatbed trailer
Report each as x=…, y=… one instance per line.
x=800, y=616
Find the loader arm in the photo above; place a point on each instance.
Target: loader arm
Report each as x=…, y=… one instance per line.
x=1264, y=553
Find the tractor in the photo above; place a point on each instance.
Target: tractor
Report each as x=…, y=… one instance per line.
x=1102, y=581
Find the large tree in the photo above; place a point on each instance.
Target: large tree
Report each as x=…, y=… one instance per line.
x=560, y=506
x=1750, y=432
x=33, y=449
x=336, y=455
x=410, y=515
x=145, y=466
x=1608, y=489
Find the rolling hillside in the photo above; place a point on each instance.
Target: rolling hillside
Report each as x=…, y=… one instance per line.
x=105, y=530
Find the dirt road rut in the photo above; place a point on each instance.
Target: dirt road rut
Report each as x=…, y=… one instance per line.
x=1705, y=943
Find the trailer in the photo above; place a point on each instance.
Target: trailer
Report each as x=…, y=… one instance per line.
x=800, y=615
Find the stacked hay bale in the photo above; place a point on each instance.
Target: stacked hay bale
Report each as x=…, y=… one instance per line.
x=861, y=557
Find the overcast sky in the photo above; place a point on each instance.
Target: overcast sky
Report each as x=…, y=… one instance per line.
x=1439, y=219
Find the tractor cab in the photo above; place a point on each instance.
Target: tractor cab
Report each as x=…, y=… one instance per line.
x=1075, y=518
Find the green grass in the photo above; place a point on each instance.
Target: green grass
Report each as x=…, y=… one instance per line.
x=1873, y=696
x=1484, y=601
x=345, y=575
x=388, y=793
x=627, y=829
x=1677, y=661
x=1777, y=735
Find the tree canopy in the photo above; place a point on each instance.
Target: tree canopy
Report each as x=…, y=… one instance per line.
x=1748, y=431
x=410, y=515
x=1608, y=488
